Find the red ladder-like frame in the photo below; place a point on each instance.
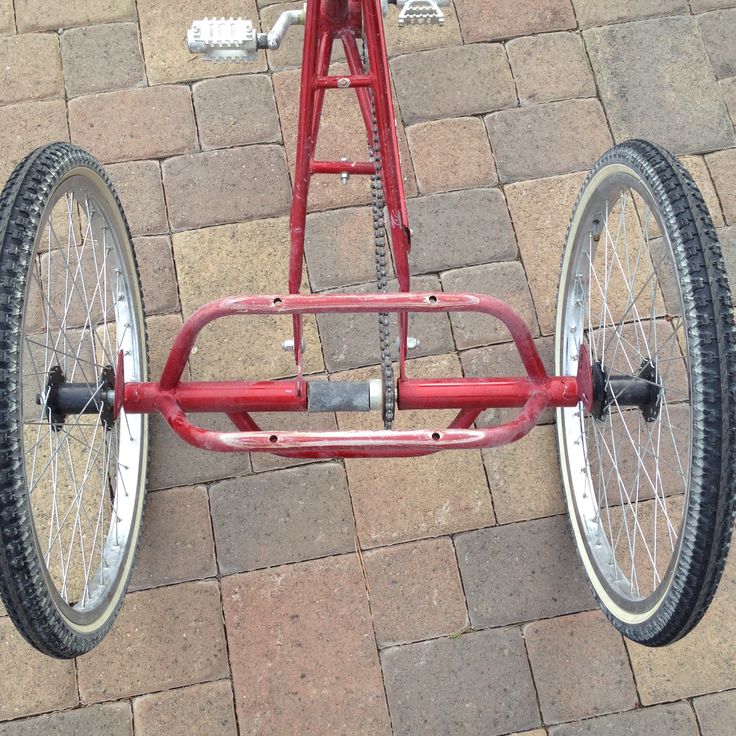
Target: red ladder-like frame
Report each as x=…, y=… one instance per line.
x=326, y=22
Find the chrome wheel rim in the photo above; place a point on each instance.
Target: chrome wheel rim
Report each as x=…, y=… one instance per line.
x=626, y=478
x=84, y=479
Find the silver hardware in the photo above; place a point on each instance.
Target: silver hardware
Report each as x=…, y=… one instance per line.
x=287, y=19
x=345, y=175
x=412, y=343
x=223, y=39
x=288, y=345
x=416, y=12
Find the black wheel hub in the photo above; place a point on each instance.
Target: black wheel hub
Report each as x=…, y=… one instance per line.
x=61, y=399
x=642, y=390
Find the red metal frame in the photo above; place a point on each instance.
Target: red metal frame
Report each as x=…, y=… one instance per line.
x=326, y=22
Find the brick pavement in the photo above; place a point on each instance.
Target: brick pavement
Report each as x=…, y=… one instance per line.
x=430, y=596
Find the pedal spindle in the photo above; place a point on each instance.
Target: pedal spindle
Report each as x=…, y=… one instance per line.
x=224, y=39
x=418, y=12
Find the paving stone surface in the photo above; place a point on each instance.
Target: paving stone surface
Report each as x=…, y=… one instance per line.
x=593, y=657
x=469, y=667
x=206, y=709
x=547, y=579
x=109, y=719
x=415, y=591
x=288, y=515
x=439, y=594
x=656, y=82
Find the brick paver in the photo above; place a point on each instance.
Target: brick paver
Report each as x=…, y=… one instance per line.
x=438, y=595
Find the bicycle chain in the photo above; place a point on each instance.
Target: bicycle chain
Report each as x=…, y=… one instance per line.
x=378, y=202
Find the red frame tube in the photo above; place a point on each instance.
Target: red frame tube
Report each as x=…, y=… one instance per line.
x=326, y=22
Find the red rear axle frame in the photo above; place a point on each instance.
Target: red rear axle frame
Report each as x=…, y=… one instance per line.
x=328, y=21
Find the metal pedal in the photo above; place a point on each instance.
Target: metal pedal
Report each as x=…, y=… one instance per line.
x=223, y=39
x=418, y=12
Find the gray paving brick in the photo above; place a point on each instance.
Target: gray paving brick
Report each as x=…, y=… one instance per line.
x=718, y=30
x=110, y=719
x=351, y=340
x=716, y=713
x=461, y=80
x=550, y=67
x=7, y=17
x=284, y=516
x=505, y=281
x=676, y=719
x=728, y=87
x=601, y=12
x=231, y=185
x=101, y=58
x=521, y=572
x=158, y=278
x=656, y=82
x=42, y=15
x=546, y=140
x=236, y=111
x=174, y=463
x=590, y=652
x=459, y=229
x=478, y=684
x=722, y=167
x=699, y=6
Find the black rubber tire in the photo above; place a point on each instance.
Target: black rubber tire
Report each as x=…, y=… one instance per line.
x=23, y=587
x=709, y=320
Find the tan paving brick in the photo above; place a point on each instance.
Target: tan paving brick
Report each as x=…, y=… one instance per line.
x=521, y=572
x=599, y=12
x=41, y=15
x=525, y=477
x=111, y=125
x=699, y=171
x=285, y=516
x=198, y=709
x=657, y=89
x=541, y=211
x=176, y=545
x=676, y=719
x=342, y=135
x=458, y=229
x=158, y=277
x=415, y=591
x=722, y=166
x=236, y=111
x=698, y=6
x=451, y=154
x=718, y=29
x=138, y=184
x=164, y=638
x=175, y=463
x=550, y=67
x=667, y=673
x=505, y=281
x=110, y=719
x=101, y=58
x=30, y=68
x=163, y=32
x=161, y=332
x=38, y=683
x=257, y=254
x=311, y=622
x=231, y=185
x=484, y=21
x=716, y=713
x=339, y=248
x=27, y=126
x=441, y=686
x=455, y=81
x=7, y=17
x=550, y=139
x=590, y=652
